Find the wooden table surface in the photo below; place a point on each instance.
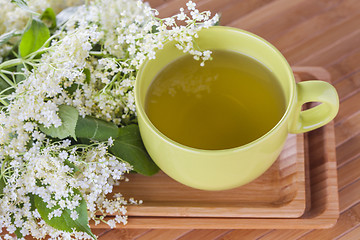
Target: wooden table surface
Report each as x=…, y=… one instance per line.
x=322, y=33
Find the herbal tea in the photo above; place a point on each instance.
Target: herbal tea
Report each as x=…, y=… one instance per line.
x=229, y=102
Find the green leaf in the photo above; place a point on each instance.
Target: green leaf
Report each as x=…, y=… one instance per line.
x=32, y=201
x=23, y=5
x=2, y=173
x=4, y=38
x=19, y=77
x=3, y=85
x=154, y=29
x=2, y=185
x=34, y=38
x=85, y=141
x=72, y=165
x=49, y=17
x=87, y=75
x=72, y=88
x=69, y=117
x=65, y=15
x=129, y=147
x=95, y=129
x=17, y=231
x=65, y=222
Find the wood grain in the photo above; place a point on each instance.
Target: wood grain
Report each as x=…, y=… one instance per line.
x=204, y=234
x=163, y=234
x=348, y=108
x=283, y=234
x=349, y=85
x=344, y=66
x=245, y=234
x=348, y=220
x=123, y=234
x=319, y=33
x=314, y=45
x=232, y=12
x=322, y=33
x=350, y=234
x=347, y=175
x=308, y=28
x=348, y=128
x=348, y=151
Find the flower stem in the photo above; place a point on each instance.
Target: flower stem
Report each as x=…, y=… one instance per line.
x=4, y=102
x=11, y=63
x=7, y=80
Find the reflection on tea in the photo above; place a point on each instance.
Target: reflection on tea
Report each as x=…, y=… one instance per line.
x=231, y=101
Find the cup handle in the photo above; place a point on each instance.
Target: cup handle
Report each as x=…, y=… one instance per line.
x=310, y=119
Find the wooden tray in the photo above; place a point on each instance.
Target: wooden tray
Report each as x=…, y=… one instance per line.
x=321, y=210
x=279, y=192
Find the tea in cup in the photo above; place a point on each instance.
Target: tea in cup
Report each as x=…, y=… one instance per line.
x=217, y=106
x=222, y=125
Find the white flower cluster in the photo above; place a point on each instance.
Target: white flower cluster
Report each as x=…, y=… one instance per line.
x=52, y=172
x=14, y=18
x=128, y=32
x=91, y=64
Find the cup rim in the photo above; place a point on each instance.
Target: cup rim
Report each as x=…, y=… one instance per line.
x=141, y=111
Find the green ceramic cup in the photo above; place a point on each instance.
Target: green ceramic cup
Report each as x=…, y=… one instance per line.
x=230, y=168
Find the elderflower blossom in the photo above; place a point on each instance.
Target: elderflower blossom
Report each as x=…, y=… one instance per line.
x=92, y=171
x=191, y=5
x=14, y=18
x=91, y=65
